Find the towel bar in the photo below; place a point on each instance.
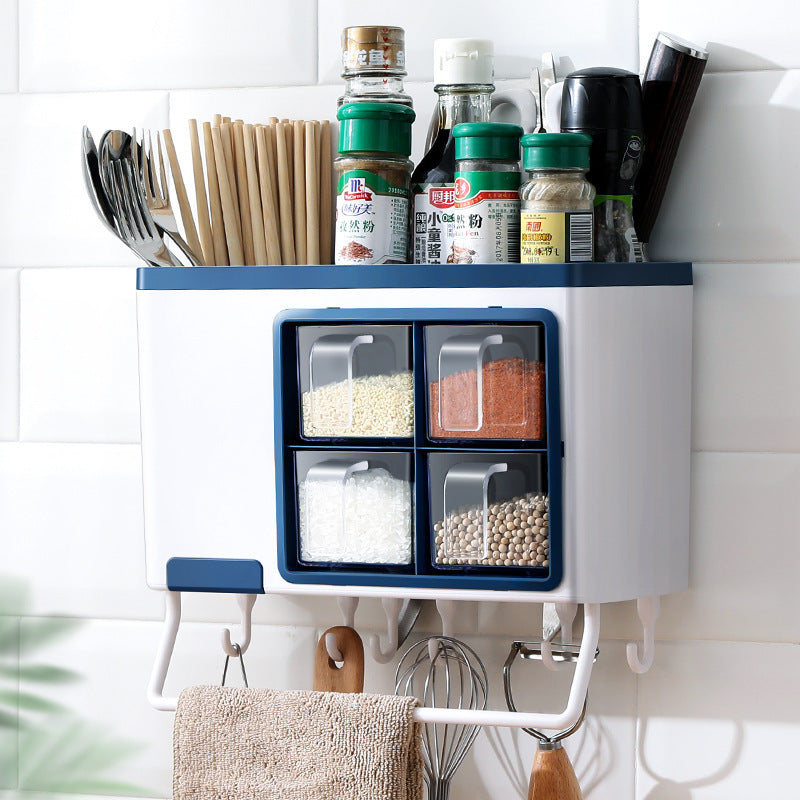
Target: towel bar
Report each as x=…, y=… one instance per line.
x=511, y=719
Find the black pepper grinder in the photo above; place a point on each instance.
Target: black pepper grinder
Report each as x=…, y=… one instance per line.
x=606, y=103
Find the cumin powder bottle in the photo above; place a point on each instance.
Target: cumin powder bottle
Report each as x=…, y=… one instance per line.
x=373, y=173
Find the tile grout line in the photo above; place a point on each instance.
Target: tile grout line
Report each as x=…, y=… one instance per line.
x=19, y=355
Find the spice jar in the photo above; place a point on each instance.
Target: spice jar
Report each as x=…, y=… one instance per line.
x=557, y=200
x=372, y=179
x=486, y=193
x=374, y=65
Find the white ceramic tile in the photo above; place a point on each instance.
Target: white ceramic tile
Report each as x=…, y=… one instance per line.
x=71, y=516
x=746, y=336
x=739, y=36
x=743, y=551
x=68, y=48
x=9, y=72
x=9, y=660
x=114, y=661
x=47, y=217
x=9, y=358
x=499, y=764
x=79, y=375
x=719, y=721
x=591, y=34
x=731, y=195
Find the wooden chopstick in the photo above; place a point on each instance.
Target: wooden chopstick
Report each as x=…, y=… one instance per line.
x=300, y=231
x=254, y=197
x=183, y=199
x=242, y=186
x=201, y=199
x=217, y=222
x=284, y=196
x=267, y=179
x=312, y=192
x=233, y=236
x=325, y=195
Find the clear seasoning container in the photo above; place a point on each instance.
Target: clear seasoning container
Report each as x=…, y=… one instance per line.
x=463, y=74
x=372, y=183
x=355, y=381
x=486, y=193
x=374, y=65
x=354, y=507
x=485, y=381
x=489, y=510
x=557, y=200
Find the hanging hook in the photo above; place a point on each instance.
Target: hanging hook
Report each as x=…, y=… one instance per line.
x=566, y=616
x=447, y=612
x=392, y=607
x=348, y=606
x=241, y=664
x=641, y=660
x=234, y=650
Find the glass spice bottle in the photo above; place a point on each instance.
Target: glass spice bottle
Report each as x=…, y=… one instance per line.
x=464, y=80
x=372, y=183
x=374, y=65
x=486, y=193
x=557, y=200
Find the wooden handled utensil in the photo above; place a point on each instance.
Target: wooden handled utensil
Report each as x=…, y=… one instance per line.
x=552, y=776
x=350, y=676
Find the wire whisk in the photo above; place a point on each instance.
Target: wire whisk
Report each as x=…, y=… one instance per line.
x=443, y=672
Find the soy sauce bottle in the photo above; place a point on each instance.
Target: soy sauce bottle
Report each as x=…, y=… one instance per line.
x=463, y=77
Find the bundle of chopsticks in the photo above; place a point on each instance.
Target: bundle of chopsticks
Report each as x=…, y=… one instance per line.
x=263, y=195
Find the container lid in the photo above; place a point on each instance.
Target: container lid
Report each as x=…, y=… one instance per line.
x=601, y=99
x=463, y=61
x=499, y=140
x=682, y=45
x=556, y=150
x=372, y=48
x=375, y=128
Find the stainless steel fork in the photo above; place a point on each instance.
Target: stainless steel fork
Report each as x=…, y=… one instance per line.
x=134, y=224
x=153, y=176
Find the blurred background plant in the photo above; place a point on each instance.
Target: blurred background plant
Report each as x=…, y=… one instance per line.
x=44, y=746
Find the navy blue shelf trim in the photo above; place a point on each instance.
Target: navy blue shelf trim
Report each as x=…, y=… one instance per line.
x=386, y=276
x=230, y=575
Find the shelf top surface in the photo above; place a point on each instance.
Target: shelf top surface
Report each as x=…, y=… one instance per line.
x=388, y=276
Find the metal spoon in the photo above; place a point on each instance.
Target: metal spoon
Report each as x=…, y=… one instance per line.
x=94, y=183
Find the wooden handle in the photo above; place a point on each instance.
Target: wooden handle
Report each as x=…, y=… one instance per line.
x=552, y=777
x=201, y=198
x=350, y=676
x=183, y=199
x=325, y=195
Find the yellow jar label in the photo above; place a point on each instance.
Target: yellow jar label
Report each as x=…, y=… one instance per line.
x=555, y=237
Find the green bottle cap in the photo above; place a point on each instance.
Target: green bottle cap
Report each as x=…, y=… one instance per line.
x=556, y=150
x=496, y=140
x=375, y=128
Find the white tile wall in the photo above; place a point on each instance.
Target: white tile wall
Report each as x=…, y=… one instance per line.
x=591, y=34
x=704, y=735
x=79, y=375
x=71, y=517
x=47, y=219
x=9, y=346
x=9, y=51
x=739, y=36
x=732, y=194
x=165, y=45
x=70, y=491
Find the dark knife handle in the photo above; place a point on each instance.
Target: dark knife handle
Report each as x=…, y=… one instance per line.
x=668, y=91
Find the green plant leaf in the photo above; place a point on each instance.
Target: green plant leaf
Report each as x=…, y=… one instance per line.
x=40, y=632
x=45, y=673
x=26, y=701
x=7, y=719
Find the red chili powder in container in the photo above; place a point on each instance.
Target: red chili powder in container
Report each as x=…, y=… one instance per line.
x=513, y=402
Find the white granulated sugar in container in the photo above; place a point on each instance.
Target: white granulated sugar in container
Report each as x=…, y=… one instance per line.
x=368, y=521
x=382, y=405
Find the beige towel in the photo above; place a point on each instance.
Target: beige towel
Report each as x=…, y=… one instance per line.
x=261, y=744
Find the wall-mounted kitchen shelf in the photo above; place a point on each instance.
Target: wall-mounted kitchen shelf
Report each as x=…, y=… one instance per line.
x=225, y=370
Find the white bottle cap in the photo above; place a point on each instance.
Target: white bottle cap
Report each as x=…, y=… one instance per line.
x=459, y=61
